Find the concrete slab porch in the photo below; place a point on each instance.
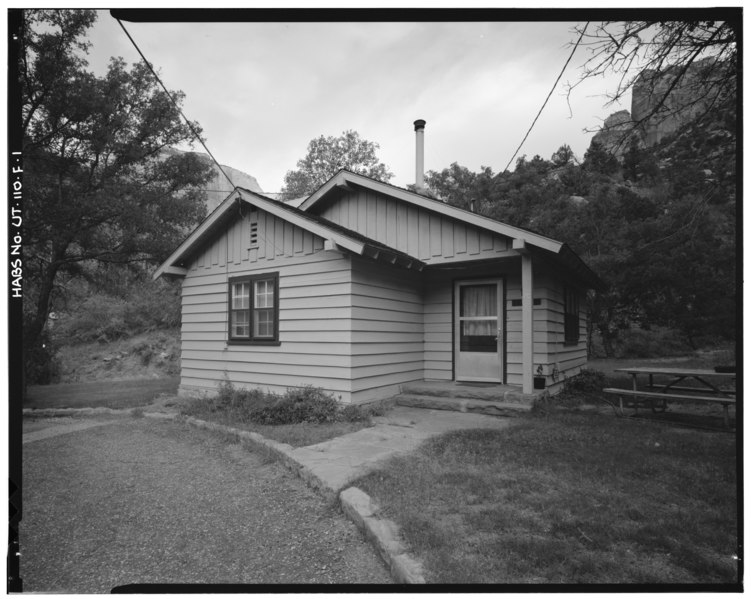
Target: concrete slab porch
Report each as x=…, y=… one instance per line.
x=478, y=398
x=481, y=391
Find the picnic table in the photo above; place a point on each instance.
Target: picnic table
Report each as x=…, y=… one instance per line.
x=657, y=394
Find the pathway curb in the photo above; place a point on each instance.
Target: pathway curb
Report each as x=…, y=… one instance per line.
x=357, y=505
x=383, y=534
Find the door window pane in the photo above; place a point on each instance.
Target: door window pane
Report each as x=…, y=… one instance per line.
x=478, y=336
x=478, y=300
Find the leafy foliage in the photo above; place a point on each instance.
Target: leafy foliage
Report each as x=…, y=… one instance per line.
x=99, y=186
x=327, y=155
x=297, y=405
x=659, y=228
x=145, y=306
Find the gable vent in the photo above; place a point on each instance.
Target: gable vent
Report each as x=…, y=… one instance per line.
x=253, y=234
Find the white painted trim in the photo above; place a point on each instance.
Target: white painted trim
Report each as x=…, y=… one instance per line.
x=273, y=207
x=197, y=233
x=527, y=324
x=175, y=270
x=270, y=206
x=495, y=372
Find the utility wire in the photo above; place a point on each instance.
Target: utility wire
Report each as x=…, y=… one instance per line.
x=576, y=45
x=174, y=103
x=195, y=133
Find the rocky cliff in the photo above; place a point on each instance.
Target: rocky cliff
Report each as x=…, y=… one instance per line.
x=218, y=188
x=681, y=103
x=615, y=134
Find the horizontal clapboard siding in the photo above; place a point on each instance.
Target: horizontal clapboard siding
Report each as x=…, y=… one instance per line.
x=416, y=231
x=438, y=344
x=315, y=330
x=558, y=360
x=387, y=330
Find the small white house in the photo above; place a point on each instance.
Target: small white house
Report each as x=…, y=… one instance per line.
x=366, y=287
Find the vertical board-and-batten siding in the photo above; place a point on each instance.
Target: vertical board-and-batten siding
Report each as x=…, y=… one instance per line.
x=422, y=234
x=314, y=311
x=387, y=330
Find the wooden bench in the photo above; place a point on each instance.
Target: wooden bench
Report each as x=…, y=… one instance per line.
x=651, y=397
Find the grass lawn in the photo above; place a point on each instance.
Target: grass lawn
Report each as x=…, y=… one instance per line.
x=108, y=394
x=568, y=498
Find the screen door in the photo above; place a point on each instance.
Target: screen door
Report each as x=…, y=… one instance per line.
x=478, y=334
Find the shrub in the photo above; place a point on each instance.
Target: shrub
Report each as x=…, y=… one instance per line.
x=305, y=404
x=297, y=405
x=353, y=413
x=585, y=385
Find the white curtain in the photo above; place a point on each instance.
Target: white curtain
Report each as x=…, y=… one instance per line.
x=479, y=300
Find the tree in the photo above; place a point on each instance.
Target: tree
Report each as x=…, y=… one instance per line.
x=99, y=183
x=563, y=156
x=461, y=187
x=686, y=70
x=327, y=155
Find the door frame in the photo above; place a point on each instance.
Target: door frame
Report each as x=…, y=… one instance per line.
x=455, y=282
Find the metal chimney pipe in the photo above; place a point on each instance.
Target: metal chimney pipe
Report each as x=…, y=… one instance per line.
x=420, y=154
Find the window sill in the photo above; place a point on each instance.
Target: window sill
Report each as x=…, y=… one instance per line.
x=253, y=342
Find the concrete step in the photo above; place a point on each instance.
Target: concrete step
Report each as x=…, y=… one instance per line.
x=494, y=393
x=475, y=406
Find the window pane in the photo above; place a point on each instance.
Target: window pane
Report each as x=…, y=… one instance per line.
x=263, y=325
x=478, y=336
x=240, y=296
x=240, y=325
x=264, y=291
x=478, y=300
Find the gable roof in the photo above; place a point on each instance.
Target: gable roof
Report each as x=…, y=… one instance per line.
x=554, y=251
x=344, y=178
x=339, y=237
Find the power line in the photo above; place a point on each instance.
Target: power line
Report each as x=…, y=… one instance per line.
x=195, y=133
x=576, y=45
x=174, y=103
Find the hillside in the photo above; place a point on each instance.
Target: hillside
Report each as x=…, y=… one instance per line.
x=150, y=355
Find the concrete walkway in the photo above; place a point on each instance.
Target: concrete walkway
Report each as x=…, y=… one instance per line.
x=339, y=461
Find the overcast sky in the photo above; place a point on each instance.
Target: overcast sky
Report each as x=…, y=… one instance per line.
x=262, y=91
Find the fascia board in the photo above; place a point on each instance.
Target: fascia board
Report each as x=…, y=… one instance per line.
x=323, y=190
x=317, y=229
x=471, y=218
x=196, y=236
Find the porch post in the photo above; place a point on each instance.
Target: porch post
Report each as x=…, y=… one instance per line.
x=527, y=317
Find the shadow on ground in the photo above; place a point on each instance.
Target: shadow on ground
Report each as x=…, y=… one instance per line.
x=100, y=394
